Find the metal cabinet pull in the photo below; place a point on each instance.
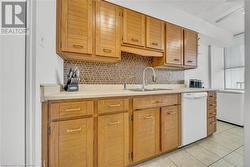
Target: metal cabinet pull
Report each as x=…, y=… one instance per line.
x=154, y=43
x=148, y=117
x=115, y=105
x=114, y=123
x=73, y=130
x=157, y=102
x=73, y=109
x=78, y=46
x=107, y=50
x=190, y=61
x=134, y=40
x=176, y=59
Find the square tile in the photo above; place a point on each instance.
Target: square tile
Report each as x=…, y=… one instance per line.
x=235, y=159
x=222, y=163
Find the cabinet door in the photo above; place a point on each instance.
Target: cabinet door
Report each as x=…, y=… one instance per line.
x=71, y=143
x=145, y=134
x=133, y=28
x=76, y=25
x=113, y=140
x=155, y=33
x=190, y=48
x=174, y=44
x=107, y=29
x=170, y=129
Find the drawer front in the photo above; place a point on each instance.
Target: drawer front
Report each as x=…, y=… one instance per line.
x=212, y=95
x=211, y=105
x=71, y=109
x=113, y=105
x=211, y=125
x=155, y=101
x=211, y=113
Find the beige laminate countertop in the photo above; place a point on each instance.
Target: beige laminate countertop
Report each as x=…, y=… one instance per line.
x=54, y=92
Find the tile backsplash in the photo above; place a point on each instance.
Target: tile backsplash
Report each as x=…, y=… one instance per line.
x=129, y=69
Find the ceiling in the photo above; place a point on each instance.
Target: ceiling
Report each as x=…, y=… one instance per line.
x=226, y=14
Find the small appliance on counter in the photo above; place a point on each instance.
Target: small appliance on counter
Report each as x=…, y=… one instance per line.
x=72, y=80
x=195, y=83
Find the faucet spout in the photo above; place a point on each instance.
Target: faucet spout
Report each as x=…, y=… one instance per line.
x=144, y=76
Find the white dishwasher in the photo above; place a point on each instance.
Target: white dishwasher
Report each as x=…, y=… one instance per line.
x=194, y=117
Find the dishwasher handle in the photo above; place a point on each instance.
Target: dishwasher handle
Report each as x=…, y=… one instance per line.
x=194, y=95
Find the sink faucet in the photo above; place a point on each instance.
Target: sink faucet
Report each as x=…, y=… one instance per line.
x=144, y=76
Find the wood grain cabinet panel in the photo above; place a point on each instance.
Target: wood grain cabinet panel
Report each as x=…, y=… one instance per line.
x=174, y=44
x=107, y=29
x=170, y=128
x=133, y=28
x=190, y=48
x=146, y=139
x=113, y=140
x=154, y=33
x=76, y=25
x=112, y=105
x=71, y=143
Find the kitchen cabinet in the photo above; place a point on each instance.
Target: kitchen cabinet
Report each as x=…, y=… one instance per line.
x=108, y=29
x=133, y=28
x=174, y=45
x=211, y=112
x=76, y=26
x=71, y=143
x=146, y=141
x=190, y=48
x=113, y=140
x=170, y=128
x=155, y=33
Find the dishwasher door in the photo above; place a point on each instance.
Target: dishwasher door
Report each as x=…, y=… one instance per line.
x=194, y=117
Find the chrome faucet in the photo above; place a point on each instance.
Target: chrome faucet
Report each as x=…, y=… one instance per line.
x=144, y=76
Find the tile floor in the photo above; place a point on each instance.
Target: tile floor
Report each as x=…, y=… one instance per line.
x=223, y=149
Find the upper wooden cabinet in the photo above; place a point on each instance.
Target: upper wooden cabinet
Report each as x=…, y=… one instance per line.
x=133, y=28
x=174, y=44
x=113, y=140
x=146, y=139
x=107, y=29
x=154, y=33
x=190, y=48
x=71, y=143
x=76, y=26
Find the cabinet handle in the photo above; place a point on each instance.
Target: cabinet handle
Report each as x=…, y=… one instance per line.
x=154, y=43
x=73, y=109
x=115, y=105
x=176, y=59
x=190, y=61
x=107, y=50
x=78, y=46
x=134, y=40
x=74, y=130
x=114, y=123
x=157, y=102
x=148, y=117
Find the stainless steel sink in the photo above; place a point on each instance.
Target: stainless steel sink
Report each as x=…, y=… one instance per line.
x=148, y=89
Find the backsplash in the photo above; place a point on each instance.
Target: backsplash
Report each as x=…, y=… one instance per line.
x=130, y=66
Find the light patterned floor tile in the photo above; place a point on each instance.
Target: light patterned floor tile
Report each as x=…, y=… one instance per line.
x=158, y=162
x=239, y=131
x=240, y=151
x=222, y=126
x=184, y=159
x=235, y=159
x=215, y=148
x=222, y=163
x=202, y=154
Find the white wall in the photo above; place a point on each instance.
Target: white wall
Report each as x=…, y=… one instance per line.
x=217, y=67
x=247, y=81
x=12, y=58
x=49, y=66
x=202, y=72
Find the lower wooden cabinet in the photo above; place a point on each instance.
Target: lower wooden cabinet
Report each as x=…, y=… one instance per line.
x=146, y=141
x=71, y=143
x=170, y=128
x=211, y=112
x=113, y=140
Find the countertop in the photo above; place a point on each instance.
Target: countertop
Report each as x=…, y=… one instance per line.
x=54, y=92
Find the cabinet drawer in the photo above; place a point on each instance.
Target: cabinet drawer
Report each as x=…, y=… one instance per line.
x=211, y=95
x=211, y=104
x=113, y=105
x=71, y=109
x=212, y=113
x=155, y=101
